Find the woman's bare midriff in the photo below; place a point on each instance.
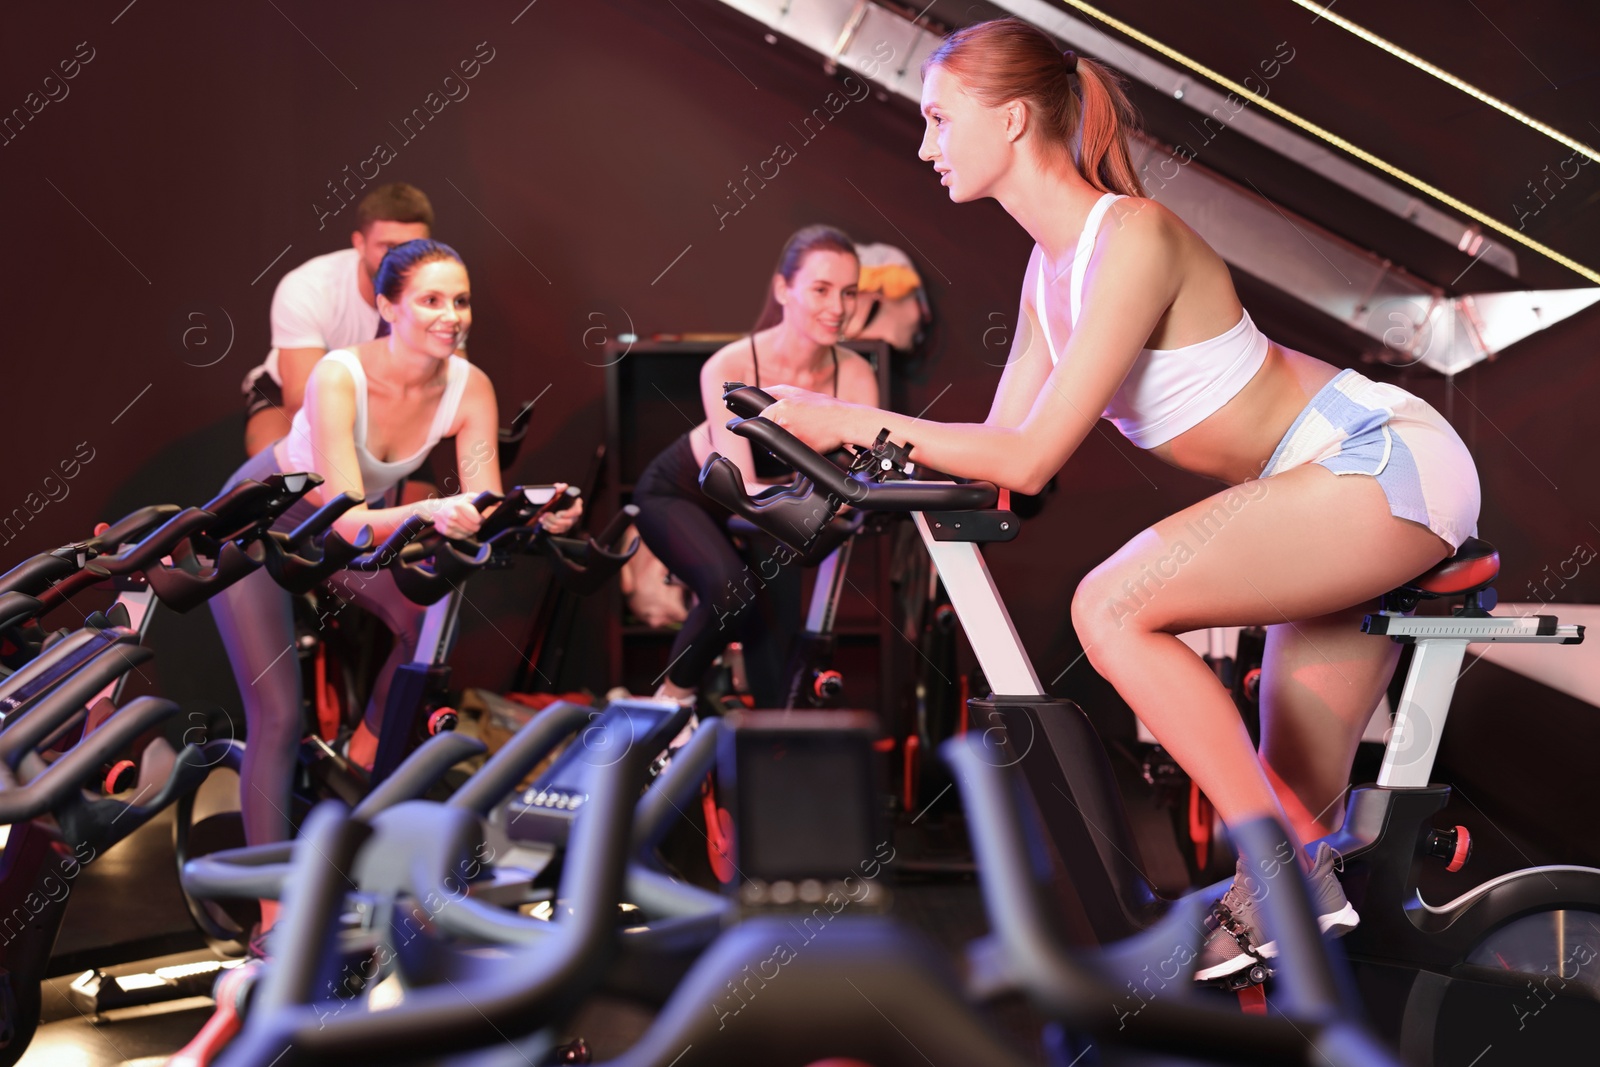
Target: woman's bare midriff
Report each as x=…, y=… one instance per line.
x=1235, y=442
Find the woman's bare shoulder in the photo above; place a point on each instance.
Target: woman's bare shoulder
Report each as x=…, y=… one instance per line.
x=858, y=378
x=1143, y=221
x=731, y=362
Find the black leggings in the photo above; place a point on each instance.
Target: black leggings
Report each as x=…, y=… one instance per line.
x=255, y=617
x=753, y=600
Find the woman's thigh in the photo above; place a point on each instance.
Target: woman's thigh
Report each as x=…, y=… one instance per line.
x=693, y=545
x=1299, y=545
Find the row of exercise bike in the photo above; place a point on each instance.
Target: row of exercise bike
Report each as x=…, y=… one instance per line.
x=475, y=928
x=79, y=773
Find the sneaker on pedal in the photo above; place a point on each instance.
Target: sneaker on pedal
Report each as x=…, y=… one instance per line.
x=1235, y=942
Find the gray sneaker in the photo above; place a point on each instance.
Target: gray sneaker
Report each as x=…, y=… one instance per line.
x=1232, y=945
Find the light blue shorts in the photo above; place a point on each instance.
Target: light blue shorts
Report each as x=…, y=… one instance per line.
x=1355, y=425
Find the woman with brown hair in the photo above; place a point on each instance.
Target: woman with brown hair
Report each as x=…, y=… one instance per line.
x=757, y=601
x=1127, y=314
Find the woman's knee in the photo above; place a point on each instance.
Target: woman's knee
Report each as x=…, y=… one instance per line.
x=1108, y=609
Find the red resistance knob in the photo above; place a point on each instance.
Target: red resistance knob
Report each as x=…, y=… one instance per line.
x=1454, y=846
x=442, y=720
x=828, y=684
x=122, y=775
x=575, y=1051
x=1252, y=684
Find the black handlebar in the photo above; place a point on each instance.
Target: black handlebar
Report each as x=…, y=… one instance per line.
x=510, y=437
x=388, y=553
x=321, y=520
x=53, y=786
x=479, y=1006
x=128, y=529
x=611, y=536
x=1077, y=990
x=797, y=513
x=247, y=509
x=259, y=871
x=299, y=563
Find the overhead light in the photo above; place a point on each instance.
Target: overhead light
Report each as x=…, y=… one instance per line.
x=1449, y=79
x=1338, y=142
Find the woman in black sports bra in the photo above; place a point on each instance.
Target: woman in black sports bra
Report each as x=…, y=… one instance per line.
x=755, y=598
x=770, y=468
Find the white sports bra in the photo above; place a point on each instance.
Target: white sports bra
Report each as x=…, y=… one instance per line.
x=377, y=476
x=1167, y=390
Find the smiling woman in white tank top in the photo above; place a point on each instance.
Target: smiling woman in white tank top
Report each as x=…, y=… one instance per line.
x=1127, y=314
x=372, y=414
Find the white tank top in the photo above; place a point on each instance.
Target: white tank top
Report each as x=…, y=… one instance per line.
x=377, y=476
x=1167, y=390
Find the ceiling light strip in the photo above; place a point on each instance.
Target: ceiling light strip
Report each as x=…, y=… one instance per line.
x=1448, y=78
x=1337, y=141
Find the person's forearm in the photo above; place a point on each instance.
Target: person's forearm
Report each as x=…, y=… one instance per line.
x=997, y=454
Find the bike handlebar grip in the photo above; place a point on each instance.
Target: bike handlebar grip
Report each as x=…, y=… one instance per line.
x=254, y=871
x=389, y=551
x=424, y=768
x=159, y=543
x=565, y=499
x=107, y=821
x=251, y=518
x=794, y=516
x=59, y=780
x=322, y=519
x=131, y=527
x=795, y=452
x=313, y=900
x=38, y=573
x=611, y=537
x=43, y=715
x=1064, y=987
x=485, y=500
x=746, y=401
x=182, y=591
x=518, y=756
x=230, y=496
x=248, y=508
x=17, y=607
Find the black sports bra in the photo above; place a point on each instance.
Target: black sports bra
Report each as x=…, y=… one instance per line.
x=769, y=467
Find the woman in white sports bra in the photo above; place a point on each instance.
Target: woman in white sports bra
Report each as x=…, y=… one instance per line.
x=1127, y=314
x=372, y=414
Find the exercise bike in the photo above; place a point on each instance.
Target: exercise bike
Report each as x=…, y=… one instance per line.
x=60, y=727
x=428, y=569
x=1509, y=971
x=1431, y=971
x=1106, y=897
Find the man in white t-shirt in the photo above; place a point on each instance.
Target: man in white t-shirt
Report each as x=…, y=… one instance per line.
x=327, y=303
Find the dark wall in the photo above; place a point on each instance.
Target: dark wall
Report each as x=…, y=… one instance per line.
x=584, y=176
x=588, y=156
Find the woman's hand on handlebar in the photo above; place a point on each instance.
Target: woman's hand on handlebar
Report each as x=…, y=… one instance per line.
x=559, y=522
x=817, y=420
x=453, y=516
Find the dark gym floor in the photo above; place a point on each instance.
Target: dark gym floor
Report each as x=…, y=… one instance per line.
x=126, y=914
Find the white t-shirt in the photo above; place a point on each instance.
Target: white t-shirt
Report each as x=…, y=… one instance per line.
x=318, y=305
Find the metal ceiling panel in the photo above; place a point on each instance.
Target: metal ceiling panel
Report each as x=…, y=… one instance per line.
x=1314, y=156
x=1413, y=321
